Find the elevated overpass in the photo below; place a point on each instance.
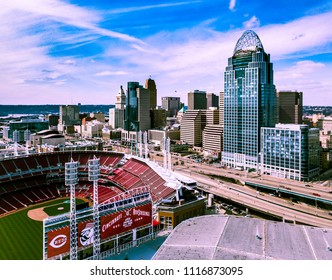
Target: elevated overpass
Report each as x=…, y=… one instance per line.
x=281, y=189
x=268, y=205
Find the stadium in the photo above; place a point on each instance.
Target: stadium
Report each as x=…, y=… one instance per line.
x=37, y=195
x=33, y=189
x=226, y=237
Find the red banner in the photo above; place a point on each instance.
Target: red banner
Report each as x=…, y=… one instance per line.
x=122, y=221
x=58, y=242
x=85, y=233
x=125, y=220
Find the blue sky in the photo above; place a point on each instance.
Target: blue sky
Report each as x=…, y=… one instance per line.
x=65, y=52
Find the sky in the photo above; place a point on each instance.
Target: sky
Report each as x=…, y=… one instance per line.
x=82, y=51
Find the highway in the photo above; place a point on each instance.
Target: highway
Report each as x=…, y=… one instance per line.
x=286, y=210
x=312, y=190
x=299, y=187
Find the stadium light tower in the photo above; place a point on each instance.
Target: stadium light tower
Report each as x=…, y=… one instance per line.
x=27, y=134
x=15, y=149
x=146, y=150
x=93, y=165
x=71, y=180
x=140, y=145
x=165, y=153
x=169, y=155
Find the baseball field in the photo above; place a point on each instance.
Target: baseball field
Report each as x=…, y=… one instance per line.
x=21, y=233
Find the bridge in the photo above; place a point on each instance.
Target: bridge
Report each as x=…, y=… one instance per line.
x=289, y=192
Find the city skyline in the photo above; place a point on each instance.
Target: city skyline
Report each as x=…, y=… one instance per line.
x=56, y=51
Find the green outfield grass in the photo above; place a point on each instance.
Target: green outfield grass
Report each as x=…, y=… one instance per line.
x=54, y=210
x=22, y=238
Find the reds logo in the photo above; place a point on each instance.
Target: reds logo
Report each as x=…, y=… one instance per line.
x=58, y=241
x=86, y=236
x=128, y=222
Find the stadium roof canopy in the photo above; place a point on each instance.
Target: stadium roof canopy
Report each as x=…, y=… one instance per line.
x=248, y=42
x=222, y=237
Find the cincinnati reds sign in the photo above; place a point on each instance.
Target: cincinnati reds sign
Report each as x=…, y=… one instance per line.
x=125, y=220
x=58, y=242
x=110, y=225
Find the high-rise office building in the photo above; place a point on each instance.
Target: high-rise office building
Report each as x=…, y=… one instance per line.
x=172, y=105
x=131, y=118
x=158, y=118
x=249, y=101
x=144, y=116
x=290, y=151
x=212, y=100
x=192, y=124
x=120, y=102
x=212, y=139
x=325, y=124
x=221, y=108
x=151, y=86
x=117, y=114
x=212, y=133
x=290, y=107
x=212, y=116
x=137, y=108
x=69, y=115
x=197, y=100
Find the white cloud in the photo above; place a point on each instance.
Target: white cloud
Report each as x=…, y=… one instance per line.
x=303, y=37
x=69, y=62
x=111, y=73
x=299, y=72
x=62, y=12
x=199, y=55
x=232, y=5
x=181, y=60
x=308, y=77
x=29, y=31
x=253, y=22
x=158, y=6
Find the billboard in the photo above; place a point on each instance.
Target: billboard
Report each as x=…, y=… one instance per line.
x=125, y=220
x=58, y=240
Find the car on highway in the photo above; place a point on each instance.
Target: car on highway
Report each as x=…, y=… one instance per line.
x=316, y=194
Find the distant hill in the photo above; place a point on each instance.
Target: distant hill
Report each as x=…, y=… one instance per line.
x=325, y=110
x=6, y=110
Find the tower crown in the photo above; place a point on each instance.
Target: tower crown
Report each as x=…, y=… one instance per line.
x=121, y=91
x=249, y=42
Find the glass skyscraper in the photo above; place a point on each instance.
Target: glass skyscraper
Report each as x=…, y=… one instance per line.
x=137, y=116
x=131, y=118
x=249, y=101
x=290, y=151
